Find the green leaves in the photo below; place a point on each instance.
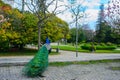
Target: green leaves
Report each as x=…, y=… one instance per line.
x=55, y=26
x=22, y=28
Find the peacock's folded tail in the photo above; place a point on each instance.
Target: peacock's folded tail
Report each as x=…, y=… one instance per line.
x=38, y=64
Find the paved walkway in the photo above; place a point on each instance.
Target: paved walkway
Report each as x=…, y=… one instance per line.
x=63, y=57
x=101, y=71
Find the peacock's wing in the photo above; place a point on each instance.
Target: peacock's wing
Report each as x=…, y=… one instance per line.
x=38, y=64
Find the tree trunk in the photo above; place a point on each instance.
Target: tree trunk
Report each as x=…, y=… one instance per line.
x=23, y=1
x=21, y=46
x=39, y=36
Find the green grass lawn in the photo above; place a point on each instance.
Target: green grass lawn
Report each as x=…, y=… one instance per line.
x=69, y=48
x=115, y=68
x=32, y=52
x=24, y=52
x=86, y=63
x=108, y=51
x=73, y=48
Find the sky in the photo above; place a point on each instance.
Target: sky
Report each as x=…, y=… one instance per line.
x=91, y=10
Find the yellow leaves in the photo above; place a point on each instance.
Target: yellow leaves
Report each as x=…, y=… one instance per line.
x=3, y=37
x=2, y=31
x=30, y=29
x=16, y=13
x=6, y=25
x=13, y=35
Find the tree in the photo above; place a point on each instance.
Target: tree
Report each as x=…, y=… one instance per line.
x=88, y=33
x=72, y=35
x=113, y=19
x=113, y=13
x=2, y=19
x=65, y=30
x=104, y=31
x=21, y=28
x=40, y=8
x=23, y=5
x=4, y=25
x=75, y=7
x=55, y=26
x=100, y=28
x=28, y=29
x=83, y=35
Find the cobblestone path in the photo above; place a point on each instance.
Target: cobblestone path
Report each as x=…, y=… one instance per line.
x=99, y=71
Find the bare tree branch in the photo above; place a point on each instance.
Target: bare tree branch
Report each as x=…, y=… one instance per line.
x=2, y=19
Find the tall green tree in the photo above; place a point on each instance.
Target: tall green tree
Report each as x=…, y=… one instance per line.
x=72, y=35
x=100, y=28
x=28, y=29
x=105, y=32
x=82, y=35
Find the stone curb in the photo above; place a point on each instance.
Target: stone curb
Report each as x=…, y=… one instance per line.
x=13, y=64
x=24, y=63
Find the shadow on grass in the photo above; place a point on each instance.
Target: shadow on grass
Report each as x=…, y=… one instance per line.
x=18, y=52
x=23, y=52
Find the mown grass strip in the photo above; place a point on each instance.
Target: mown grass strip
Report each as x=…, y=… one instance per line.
x=115, y=68
x=24, y=52
x=82, y=62
x=73, y=48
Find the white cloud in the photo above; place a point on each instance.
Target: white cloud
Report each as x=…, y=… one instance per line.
x=92, y=11
x=93, y=14
x=90, y=4
x=67, y=16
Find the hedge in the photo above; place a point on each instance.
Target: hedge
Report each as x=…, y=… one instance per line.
x=98, y=47
x=105, y=47
x=86, y=47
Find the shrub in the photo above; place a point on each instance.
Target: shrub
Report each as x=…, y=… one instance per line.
x=118, y=45
x=110, y=44
x=105, y=47
x=88, y=47
x=102, y=46
x=92, y=48
x=95, y=43
x=4, y=46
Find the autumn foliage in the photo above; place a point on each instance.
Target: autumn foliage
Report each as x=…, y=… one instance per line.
x=20, y=29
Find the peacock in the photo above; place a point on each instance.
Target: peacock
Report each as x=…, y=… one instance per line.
x=37, y=65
